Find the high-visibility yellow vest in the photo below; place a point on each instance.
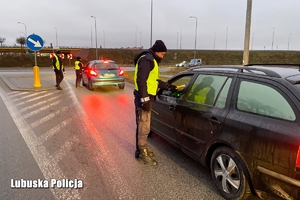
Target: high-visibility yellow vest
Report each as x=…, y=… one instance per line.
x=57, y=63
x=152, y=83
x=77, y=65
x=200, y=97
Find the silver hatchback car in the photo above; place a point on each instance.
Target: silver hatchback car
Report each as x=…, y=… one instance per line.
x=102, y=73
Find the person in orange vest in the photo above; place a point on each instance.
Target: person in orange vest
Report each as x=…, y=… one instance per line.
x=58, y=69
x=78, y=70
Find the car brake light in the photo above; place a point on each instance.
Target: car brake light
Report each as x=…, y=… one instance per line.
x=298, y=158
x=105, y=61
x=93, y=73
x=121, y=72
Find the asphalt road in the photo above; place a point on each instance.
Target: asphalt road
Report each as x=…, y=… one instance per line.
x=89, y=136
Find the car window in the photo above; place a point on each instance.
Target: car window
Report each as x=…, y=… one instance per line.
x=221, y=99
x=106, y=66
x=182, y=83
x=207, y=87
x=264, y=100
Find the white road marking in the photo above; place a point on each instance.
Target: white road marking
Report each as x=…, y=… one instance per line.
x=62, y=151
x=39, y=103
x=40, y=109
x=53, y=131
x=34, y=99
x=49, y=169
x=26, y=97
x=48, y=117
x=15, y=94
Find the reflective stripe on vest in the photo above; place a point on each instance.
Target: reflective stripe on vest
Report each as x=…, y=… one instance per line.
x=152, y=83
x=77, y=65
x=200, y=97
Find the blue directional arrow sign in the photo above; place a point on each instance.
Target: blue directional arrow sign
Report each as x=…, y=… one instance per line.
x=34, y=42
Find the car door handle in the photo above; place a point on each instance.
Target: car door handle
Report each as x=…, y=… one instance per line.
x=214, y=121
x=172, y=107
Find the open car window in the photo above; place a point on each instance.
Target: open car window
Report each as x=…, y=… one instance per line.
x=181, y=82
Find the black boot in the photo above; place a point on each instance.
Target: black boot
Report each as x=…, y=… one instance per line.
x=145, y=158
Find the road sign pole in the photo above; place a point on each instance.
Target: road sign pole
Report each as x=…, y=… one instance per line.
x=35, y=60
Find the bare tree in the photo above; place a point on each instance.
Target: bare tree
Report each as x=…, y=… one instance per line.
x=2, y=40
x=21, y=41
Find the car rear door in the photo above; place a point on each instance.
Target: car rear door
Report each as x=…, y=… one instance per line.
x=263, y=126
x=85, y=72
x=200, y=114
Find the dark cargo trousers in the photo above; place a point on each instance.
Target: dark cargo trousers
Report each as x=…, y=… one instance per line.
x=78, y=78
x=59, y=77
x=142, y=123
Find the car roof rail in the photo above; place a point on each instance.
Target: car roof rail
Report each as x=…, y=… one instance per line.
x=267, y=72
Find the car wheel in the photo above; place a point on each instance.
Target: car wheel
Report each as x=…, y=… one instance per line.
x=121, y=86
x=229, y=174
x=83, y=84
x=90, y=85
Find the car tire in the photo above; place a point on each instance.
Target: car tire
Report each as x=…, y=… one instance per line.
x=83, y=84
x=90, y=85
x=231, y=184
x=121, y=87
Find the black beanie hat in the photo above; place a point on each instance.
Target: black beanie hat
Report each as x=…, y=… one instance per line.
x=159, y=46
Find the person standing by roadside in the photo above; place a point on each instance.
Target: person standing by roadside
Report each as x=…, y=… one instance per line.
x=146, y=81
x=58, y=69
x=78, y=70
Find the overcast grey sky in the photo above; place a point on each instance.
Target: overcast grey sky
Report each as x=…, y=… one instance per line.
x=126, y=23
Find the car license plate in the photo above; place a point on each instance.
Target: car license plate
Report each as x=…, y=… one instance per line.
x=106, y=75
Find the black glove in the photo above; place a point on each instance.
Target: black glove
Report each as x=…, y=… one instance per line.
x=172, y=88
x=163, y=85
x=146, y=106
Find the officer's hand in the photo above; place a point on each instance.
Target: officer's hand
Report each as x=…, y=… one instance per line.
x=163, y=85
x=146, y=106
x=172, y=88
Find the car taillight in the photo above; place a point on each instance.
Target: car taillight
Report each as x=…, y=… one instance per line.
x=298, y=158
x=105, y=61
x=121, y=72
x=93, y=73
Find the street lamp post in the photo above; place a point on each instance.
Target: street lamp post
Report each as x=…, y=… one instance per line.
x=56, y=37
x=252, y=39
x=135, y=36
x=91, y=36
x=195, y=36
x=226, y=38
x=151, y=23
x=25, y=32
x=140, y=39
x=214, y=41
x=288, y=47
x=180, y=36
x=96, y=36
x=103, y=39
x=273, y=37
x=177, y=41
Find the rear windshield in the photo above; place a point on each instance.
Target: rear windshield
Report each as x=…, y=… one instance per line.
x=106, y=66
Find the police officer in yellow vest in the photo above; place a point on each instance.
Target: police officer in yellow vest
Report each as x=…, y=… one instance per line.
x=146, y=80
x=78, y=70
x=58, y=69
